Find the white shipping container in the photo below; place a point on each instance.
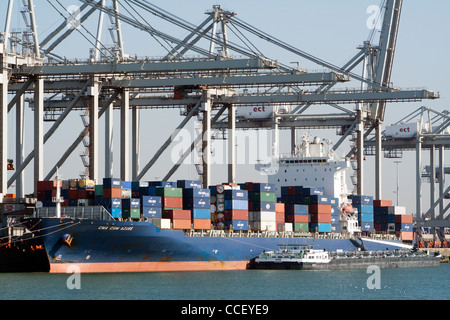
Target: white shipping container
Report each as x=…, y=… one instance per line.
x=402, y=131
x=263, y=225
x=262, y=216
x=285, y=226
x=396, y=210
x=161, y=223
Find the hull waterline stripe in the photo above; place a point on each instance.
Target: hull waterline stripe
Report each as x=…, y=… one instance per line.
x=147, y=266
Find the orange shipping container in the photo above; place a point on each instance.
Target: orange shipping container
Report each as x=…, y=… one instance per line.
x=320, y=218
x=407, y=235
x=279, y=207
x=173, y=202
x=297, y=218
x=382, y=203
x=279, y=217
x=181, y=224
x=202, y=224
x=110, y=193
x=177, y=214
x=236, y=215
x=403, y=218
x=319, y=208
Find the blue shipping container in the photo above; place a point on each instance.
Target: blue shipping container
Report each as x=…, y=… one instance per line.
x=196, y=203
x=201, y=213
x=365, y=217
x=132, y=203
x=167, y=184
x=125, y=185
x=196, y=193
x=367, y=226
x=403, y=227
x=151, y=201
x=310, y=191
x=319, y=199
x=296, y=208
x=263, y=187
x=189, y=184
x=320, y=227
x=297, y=199
x=115, y=212
x=110, y=183
x=237, y=224
x=236, y=205
x=263, y=206
x=151, y=212
x=368, y=200
x=380, y=219
x=364, y=208
x=113, y=203
x=147, y=191
x=236, y=194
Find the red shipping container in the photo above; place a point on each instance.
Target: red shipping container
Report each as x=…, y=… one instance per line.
x=403, y=218
x=298, y=218
x=177, y=214
x=202, y=224
x=73, y=194
x=279, y=217
x=181, y=224
x=292, y=191
x=40, y=195
x=382, y=203
x=82, y=194
x=40, y=185
x=236, y=215
x=172, y=202
x=110, y=193
x=279, y=207
x=320, y=218
x=319, y=208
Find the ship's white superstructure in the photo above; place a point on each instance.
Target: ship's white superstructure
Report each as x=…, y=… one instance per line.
x=313, y=164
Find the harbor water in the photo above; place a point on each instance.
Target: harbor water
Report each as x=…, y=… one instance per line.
x=391, y=284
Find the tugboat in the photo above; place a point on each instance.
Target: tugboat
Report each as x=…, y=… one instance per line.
x=291, y=257
x=296, y=257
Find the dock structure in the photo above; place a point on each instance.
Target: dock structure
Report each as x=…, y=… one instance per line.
x=211, y=87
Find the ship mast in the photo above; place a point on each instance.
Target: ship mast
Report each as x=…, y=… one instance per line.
x=58, y=198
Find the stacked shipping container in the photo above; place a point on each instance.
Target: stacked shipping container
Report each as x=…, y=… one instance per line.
x=364, y=205
x=261, y=205
x=198, y=201
x=388, y=218
x=185, y=204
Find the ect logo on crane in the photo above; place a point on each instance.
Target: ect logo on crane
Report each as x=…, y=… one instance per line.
x=374, y=21
x=73, y=21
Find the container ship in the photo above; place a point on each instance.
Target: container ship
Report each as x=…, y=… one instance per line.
x=124, y=226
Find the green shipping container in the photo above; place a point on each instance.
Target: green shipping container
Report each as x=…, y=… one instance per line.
x=131, y=213
x=98, y=189
x=301, y=227
x=169, y=192
x=264, y=196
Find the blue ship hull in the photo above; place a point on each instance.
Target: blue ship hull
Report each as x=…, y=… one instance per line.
x=116, y=246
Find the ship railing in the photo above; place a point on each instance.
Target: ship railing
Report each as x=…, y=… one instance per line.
x=89, y=212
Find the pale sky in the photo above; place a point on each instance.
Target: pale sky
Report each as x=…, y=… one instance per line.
x=330, y=30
